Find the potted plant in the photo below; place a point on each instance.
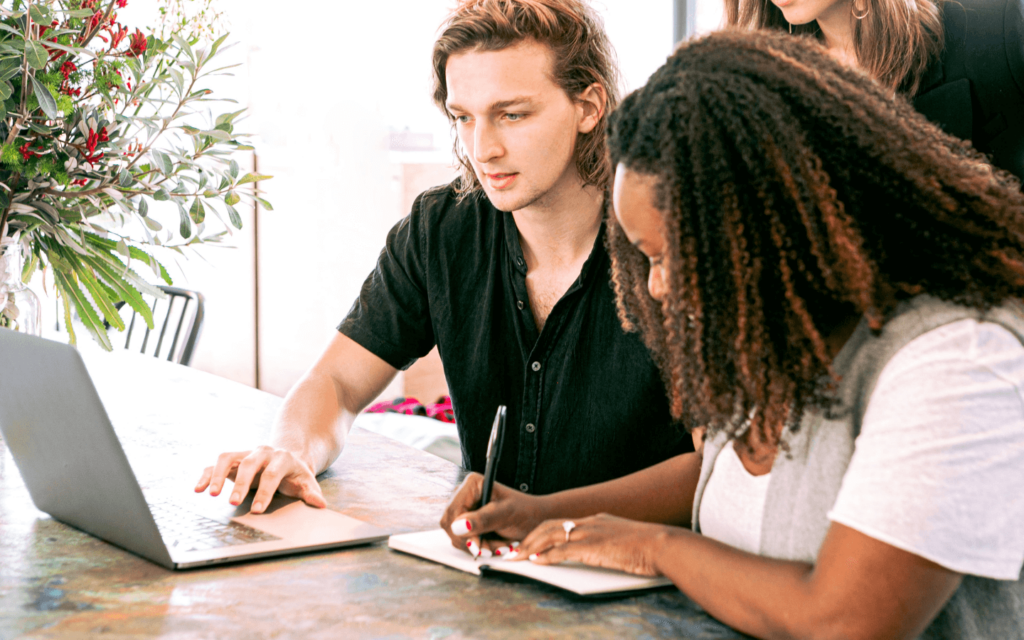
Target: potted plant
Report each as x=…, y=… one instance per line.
x=97, y=123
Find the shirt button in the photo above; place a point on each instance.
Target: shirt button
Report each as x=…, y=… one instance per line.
x=535, y=366
x=524, y=487
x=519, y=261
x=530, y=428
x=519, y=304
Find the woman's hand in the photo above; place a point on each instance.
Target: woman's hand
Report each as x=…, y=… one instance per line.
x=599, y=541
x=510, y=515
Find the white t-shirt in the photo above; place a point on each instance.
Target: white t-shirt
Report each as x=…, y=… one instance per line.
x=938, y=468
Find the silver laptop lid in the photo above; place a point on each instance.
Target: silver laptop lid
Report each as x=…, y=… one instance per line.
x=65, y=448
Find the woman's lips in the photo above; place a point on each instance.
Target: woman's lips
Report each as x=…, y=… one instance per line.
x=501, y=180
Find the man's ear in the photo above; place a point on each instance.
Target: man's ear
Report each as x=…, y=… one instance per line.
x=591, y=103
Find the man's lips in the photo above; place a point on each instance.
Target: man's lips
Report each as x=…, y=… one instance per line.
x=501, y=180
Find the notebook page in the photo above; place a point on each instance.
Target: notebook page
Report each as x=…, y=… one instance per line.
x=580, y=579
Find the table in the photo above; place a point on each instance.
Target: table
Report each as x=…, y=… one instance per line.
x=56, y=582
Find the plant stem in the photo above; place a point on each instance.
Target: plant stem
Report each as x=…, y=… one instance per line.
x=106, y=16
x=22, y=115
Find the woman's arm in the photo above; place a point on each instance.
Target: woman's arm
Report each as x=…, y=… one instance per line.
x=860, y=587
x=662, y=493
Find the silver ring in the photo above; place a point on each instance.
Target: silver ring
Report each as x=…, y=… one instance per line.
x=568, y=525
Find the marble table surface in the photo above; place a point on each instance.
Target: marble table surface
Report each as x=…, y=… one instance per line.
x=57, y=582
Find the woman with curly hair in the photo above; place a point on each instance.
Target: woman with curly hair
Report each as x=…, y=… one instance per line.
x=831, y=286
x=960, y=61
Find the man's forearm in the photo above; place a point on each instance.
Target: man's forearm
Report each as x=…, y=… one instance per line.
x=314, y=421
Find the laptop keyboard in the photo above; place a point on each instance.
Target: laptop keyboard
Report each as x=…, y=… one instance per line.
x=186, y=530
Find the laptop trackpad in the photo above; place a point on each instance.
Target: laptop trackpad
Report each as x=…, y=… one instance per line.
x=299, y=523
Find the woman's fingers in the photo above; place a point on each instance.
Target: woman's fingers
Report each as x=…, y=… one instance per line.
x=545, y=537
x=453, y=521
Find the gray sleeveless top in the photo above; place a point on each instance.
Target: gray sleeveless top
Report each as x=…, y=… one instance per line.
x=805, y=483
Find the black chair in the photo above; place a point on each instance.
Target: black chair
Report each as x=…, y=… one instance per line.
x=183, y=311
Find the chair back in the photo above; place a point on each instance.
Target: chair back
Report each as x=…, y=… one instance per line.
x=177, y=323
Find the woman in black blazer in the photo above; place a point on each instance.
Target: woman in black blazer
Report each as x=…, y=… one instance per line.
x=961, y=62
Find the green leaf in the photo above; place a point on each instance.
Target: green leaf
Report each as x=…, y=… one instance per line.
x=9, y=29
x=232, y=198
x=36, y=54
x=106, y=244
x=210, y=193
x=101, y=298
x=86, y=312
x=104, y=266
x=233, y=168
x=216, y=134
x=252, y=177
x=185, y=228
x=81, y=13
x=162, y=161
x=46, y=101
x=216, y=45
x=38, y=15
x=197, y=212
x=124, y=178
x=161, y=195
x=143, y=207
x=6, y=90
x=236, y=220
x=266, y=205
x=153, y=224
x=66, y=303
x=189, y=130
x=9, y=68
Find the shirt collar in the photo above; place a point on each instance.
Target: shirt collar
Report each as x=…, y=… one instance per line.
x=515, y=250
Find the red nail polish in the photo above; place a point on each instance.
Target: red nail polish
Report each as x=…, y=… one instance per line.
x=497, y=552
x=469, y=543
x=469, y=525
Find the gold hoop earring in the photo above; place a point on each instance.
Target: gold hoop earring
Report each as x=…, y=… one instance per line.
x=861, y=16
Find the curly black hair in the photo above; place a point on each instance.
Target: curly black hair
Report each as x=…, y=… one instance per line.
x=796, y=193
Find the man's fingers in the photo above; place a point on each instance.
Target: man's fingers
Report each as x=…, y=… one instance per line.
x=226, y=462
x=247, y=471
x=204, y=480
x=270, y=480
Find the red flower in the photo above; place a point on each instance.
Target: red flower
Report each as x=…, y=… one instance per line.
x=137, y=45
x=91, y=142
x=121, y=3
x=94, y=21
x=117, y=34
x=27, y=153
x=68, y=68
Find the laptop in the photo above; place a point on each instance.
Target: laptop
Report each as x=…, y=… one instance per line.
x=54, y=424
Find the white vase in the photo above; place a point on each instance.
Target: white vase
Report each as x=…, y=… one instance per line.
x=19, y=306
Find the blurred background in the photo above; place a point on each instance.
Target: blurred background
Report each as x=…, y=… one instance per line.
x=338, y=99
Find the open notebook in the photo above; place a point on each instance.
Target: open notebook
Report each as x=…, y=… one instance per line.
x=579, y=579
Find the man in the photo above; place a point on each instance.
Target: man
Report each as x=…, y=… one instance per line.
x=504, y=270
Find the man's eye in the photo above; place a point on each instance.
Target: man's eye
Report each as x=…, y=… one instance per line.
x=462, y=119
x=514, y=117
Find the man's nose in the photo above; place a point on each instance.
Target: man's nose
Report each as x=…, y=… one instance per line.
x=486, y=143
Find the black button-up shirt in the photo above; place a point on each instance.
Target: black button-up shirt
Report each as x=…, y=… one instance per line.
x=585, y=401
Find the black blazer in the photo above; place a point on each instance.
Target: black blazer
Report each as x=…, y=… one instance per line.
x=975, y=91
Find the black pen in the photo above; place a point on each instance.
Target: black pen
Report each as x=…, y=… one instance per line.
x=493, y=455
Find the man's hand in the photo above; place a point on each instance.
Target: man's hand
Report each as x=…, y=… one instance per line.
x=510, y=515
x=268, y=468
